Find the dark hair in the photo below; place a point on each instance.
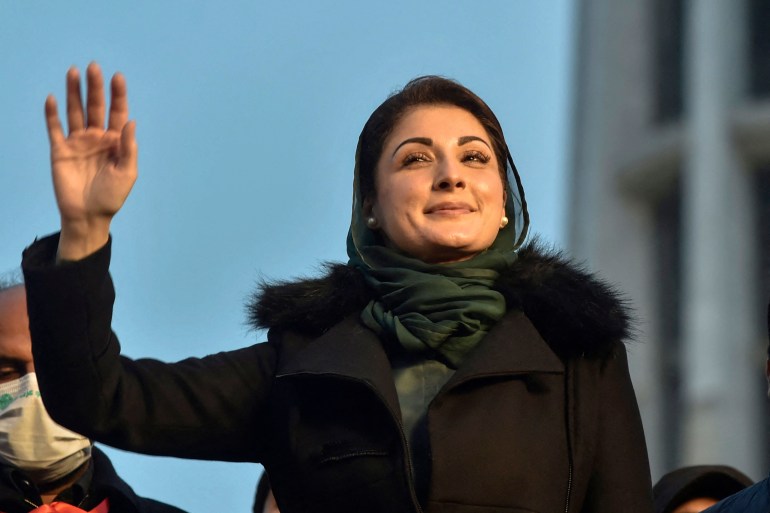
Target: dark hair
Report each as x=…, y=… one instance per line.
x=426, y=90
x=688, y=483
x=11, y=279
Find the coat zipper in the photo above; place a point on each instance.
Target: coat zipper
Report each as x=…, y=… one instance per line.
x=569, y=487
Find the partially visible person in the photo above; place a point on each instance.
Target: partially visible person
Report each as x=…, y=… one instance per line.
x=693, y=489
x=264, y=500
x=43, y=466
x=756, y=498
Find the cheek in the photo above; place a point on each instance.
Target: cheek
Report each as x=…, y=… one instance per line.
x=389, y=211
x=494, y=197
x=397, y=198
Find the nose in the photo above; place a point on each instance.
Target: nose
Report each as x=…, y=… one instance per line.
x=449, y=175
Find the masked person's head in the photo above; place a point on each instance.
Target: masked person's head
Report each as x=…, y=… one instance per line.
x=29, y=439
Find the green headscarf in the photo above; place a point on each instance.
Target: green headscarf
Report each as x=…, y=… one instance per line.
x=440, y=310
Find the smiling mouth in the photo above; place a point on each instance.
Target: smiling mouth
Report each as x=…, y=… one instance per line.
x=450, y=209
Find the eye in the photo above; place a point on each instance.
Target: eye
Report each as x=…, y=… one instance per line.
x=11, y=369
x=415, y=158
x=9, y=372
x=475, y=156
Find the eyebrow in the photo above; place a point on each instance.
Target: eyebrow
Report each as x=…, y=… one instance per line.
x=421, y=140
x=468, y=138
x=11, y=359
x=429, y=142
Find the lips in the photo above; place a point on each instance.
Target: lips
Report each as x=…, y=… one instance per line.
x=450, y=208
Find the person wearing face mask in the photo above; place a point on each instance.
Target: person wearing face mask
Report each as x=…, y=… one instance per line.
x=44, y=467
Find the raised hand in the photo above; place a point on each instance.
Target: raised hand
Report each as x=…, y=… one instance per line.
x=93, y=168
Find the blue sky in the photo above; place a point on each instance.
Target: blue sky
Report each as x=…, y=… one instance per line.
x=247, y=116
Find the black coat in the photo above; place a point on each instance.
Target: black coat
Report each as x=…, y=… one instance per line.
x=19, y=495
x=541, y=417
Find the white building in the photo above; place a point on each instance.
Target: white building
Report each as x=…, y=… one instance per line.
x=670, y=189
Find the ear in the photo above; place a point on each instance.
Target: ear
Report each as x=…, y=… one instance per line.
x=368, y=206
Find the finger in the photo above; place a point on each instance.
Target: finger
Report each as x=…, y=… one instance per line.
x=74, y=102
x=95, y=98
x=128, y=148
x=55, y=132
x=118, y=103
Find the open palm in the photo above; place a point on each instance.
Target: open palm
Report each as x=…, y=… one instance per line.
x=93, y=168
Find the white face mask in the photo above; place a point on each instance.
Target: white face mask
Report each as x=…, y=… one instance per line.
x=31, y=440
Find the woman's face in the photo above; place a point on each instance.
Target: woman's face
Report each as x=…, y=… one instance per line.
x=439, y=196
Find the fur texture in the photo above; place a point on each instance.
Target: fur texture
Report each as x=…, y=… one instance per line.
x=574, y=311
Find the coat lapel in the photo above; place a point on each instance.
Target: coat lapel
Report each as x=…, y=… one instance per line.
x=512, y=347
x=348, y=350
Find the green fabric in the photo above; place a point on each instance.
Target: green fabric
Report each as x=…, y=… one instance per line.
x=440, y=310
x=418, y=381
x=443, y=310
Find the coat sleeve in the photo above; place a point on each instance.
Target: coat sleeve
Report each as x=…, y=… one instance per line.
x=206, y=408
x=620, y=469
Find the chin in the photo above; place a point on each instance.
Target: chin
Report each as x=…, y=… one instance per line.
x=439, y=246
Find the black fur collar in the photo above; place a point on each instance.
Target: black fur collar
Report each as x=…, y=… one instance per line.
x=574, y=311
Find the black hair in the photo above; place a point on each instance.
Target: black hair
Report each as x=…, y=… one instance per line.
x=11, y=279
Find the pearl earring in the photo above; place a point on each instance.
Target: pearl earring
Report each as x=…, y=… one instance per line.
x=371, y=222
x=503, y=222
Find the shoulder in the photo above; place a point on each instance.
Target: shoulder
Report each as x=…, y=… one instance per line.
x=308, y=305
x=153, y=506
x=577, y=313
x=106, y=482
